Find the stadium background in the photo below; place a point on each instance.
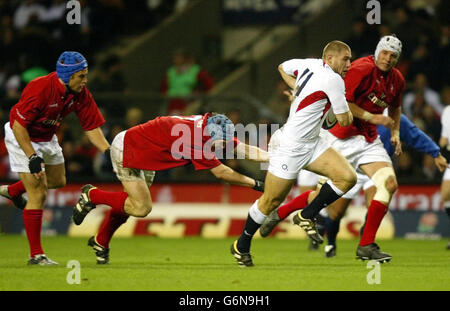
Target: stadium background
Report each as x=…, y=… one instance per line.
x=129, y=46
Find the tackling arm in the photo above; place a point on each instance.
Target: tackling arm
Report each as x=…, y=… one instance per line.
x=251, y=152
x=229, y=175
x=97, y=138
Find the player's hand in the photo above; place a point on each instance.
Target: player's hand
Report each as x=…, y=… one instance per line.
x=35, y=165
x=380, y=119
x=259, y=186
x=395, y=141
x=441, y=163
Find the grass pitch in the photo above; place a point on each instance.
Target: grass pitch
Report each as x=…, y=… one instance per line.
x=196, y=264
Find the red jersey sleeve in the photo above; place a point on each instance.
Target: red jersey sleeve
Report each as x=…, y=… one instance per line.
x=88, y=113
x=352, y=80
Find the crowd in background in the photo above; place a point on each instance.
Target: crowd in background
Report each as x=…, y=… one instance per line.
x=25, y=25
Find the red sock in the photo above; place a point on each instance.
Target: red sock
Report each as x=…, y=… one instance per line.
x=110, y=224
x=296, y=204
x=114, y=199
x=32, y=219
x=375, y=215
x=16, y=189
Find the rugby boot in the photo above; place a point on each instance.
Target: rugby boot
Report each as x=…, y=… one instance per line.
x=330, y=251
x=309, y=226
x=243, y=259
x=19, y=201
x=101, y=252
x=83, y=206
x=41, y=260
x=372, y=252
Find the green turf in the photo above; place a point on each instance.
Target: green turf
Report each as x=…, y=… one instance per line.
x=195, y=264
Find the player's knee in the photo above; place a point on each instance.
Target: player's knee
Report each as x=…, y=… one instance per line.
x=348, y=180
x=58, y=183
x=391, y=184
x=268, y=204
x=386, y=183
x=142, y=209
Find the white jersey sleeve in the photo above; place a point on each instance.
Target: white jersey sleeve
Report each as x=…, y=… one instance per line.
x=445, y=121
x=291, y=67
x=335, y=90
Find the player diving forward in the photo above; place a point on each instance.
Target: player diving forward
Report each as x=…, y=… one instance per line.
x=160, y=144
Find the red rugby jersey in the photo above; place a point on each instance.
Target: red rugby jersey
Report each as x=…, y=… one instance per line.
x=371, y=89
x=43, y=104
x=167, y=142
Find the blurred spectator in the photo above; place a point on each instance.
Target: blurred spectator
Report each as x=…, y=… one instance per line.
x=445, y=95
x=429, y=170
x=423, y=61
x=412, y=105
x=361, y=39
x=405, y=167
x=134, y=117
x=109, y=77
x=444, y=55
x=183, y=79
x=29, y=11
x=279, y=102
x=78, y=165
x=405, y=29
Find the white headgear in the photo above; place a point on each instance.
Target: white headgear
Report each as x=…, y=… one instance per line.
x=389, y=43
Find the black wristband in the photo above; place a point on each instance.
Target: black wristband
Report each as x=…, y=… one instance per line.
x=35, y=163
x=259, y=186
x=108, y=153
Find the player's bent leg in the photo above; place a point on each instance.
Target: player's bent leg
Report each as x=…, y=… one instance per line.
x=56, y=176
x=139, y=201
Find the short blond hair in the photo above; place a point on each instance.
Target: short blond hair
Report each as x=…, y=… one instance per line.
x=334, y=47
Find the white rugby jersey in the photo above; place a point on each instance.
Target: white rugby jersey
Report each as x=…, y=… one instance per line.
x=317, y=88
x=445, y=121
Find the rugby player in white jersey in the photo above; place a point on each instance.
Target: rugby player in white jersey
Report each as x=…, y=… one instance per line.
x=317, y=85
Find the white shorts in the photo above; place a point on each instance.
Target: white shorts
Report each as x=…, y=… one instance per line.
x=286, y=161
x=358, y=151
x=49, y=151
x=124, y=173
x=446, y=174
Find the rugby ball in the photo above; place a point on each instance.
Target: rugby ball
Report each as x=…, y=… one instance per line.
x=330, y=120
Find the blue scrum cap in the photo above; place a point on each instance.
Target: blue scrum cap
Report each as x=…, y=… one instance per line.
x=220, y=127
x=68, y=63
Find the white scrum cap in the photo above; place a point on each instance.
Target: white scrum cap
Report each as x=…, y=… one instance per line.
x=389, y=43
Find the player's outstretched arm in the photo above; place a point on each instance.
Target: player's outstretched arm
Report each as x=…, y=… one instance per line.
x=251, y=153
x=378, y=119
x=97, y=138
x=229, y=175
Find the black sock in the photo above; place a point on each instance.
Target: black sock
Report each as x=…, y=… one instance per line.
x=447, y=209
x=332, y=228
x=245, y=239
x=325, y=197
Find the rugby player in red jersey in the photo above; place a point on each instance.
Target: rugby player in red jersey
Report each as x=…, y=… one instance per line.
x=160, y=144
x=33, y=148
